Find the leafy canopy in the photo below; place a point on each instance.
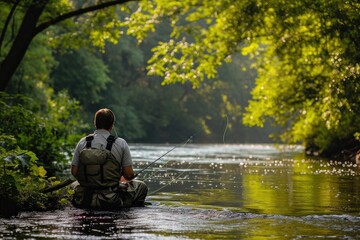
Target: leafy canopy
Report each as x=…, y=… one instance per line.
x=306, y=53
x=307, y=58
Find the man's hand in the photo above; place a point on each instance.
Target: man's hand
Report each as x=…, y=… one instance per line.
x=123, y=180
x=123, y=184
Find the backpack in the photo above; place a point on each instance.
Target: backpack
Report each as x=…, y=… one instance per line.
x=98, y=168
x=98, y=174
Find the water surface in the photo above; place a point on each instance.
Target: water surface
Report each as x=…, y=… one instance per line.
x=218, y=192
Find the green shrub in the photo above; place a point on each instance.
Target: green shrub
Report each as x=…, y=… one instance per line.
x=35, y=145
x=49, y=133
x=21, y=181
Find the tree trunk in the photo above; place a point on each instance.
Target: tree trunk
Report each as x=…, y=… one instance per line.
x=21, y=43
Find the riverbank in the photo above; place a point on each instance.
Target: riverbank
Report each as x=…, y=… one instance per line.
x=346, y=150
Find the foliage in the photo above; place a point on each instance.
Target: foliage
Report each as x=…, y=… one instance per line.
x=47, y=133
x=202, y=37
x=94, y=28
x=32, y=75
x=49, y=137
x=305, y=79
x=307, y=58
x=21, y=180
x=148, y=112
x=306, y=54
x=145, y=111
x=84, y=72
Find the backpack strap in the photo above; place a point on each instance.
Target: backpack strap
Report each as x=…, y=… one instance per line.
x=110, y=140
x=89, y=138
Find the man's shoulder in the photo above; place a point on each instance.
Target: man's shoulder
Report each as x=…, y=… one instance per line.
x=82, y=140
x=120, y=142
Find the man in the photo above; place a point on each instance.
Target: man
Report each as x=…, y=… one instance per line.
x=102, y=164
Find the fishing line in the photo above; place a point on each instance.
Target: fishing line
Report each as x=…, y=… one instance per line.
x=116, y=134
x=176, y=146
x=173, y=180
x=226, y=126
x=153, y=173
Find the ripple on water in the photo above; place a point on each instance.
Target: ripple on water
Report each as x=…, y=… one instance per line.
x=157, y=220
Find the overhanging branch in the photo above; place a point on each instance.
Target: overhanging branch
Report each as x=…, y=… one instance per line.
x=78, y=12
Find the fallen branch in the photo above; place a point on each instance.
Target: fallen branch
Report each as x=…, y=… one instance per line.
x=58, y=186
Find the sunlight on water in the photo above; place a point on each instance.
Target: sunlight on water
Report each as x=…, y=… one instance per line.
x=203, y=153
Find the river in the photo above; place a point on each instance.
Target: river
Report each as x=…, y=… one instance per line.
x=218, y=192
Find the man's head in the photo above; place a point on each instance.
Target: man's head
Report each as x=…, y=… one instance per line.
x=104, y=119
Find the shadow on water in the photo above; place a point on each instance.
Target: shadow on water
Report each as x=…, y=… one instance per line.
x=218, y=192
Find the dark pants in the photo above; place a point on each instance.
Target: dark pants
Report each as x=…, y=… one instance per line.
x=133, y=195
x=136, y=194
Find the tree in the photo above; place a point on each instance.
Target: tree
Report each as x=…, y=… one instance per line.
x=37, y=16
x=307, y=58
x=149, y=112
x=83, y=74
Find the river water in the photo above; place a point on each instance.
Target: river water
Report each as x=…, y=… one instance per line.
x=218, y=192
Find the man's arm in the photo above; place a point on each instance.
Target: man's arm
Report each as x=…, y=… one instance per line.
x=127, y=174
x=75, y=160
x=74, y=170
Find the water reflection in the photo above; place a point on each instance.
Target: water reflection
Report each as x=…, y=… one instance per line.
x=98, y=223
x=256, y=178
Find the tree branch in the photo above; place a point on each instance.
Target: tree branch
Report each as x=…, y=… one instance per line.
x=78, y=12
x=2, y=36
x=57, y=186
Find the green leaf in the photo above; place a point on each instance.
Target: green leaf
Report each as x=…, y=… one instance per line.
x=10, y=159
x=24, y=159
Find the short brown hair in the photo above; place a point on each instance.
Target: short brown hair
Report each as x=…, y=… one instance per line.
x=104, y=119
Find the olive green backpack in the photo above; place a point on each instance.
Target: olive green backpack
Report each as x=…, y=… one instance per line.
x=98, y=168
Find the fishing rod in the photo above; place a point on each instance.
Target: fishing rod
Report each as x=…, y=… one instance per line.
x=176, y=146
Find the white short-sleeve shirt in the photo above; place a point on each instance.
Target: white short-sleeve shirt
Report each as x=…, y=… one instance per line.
x=120, y=148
